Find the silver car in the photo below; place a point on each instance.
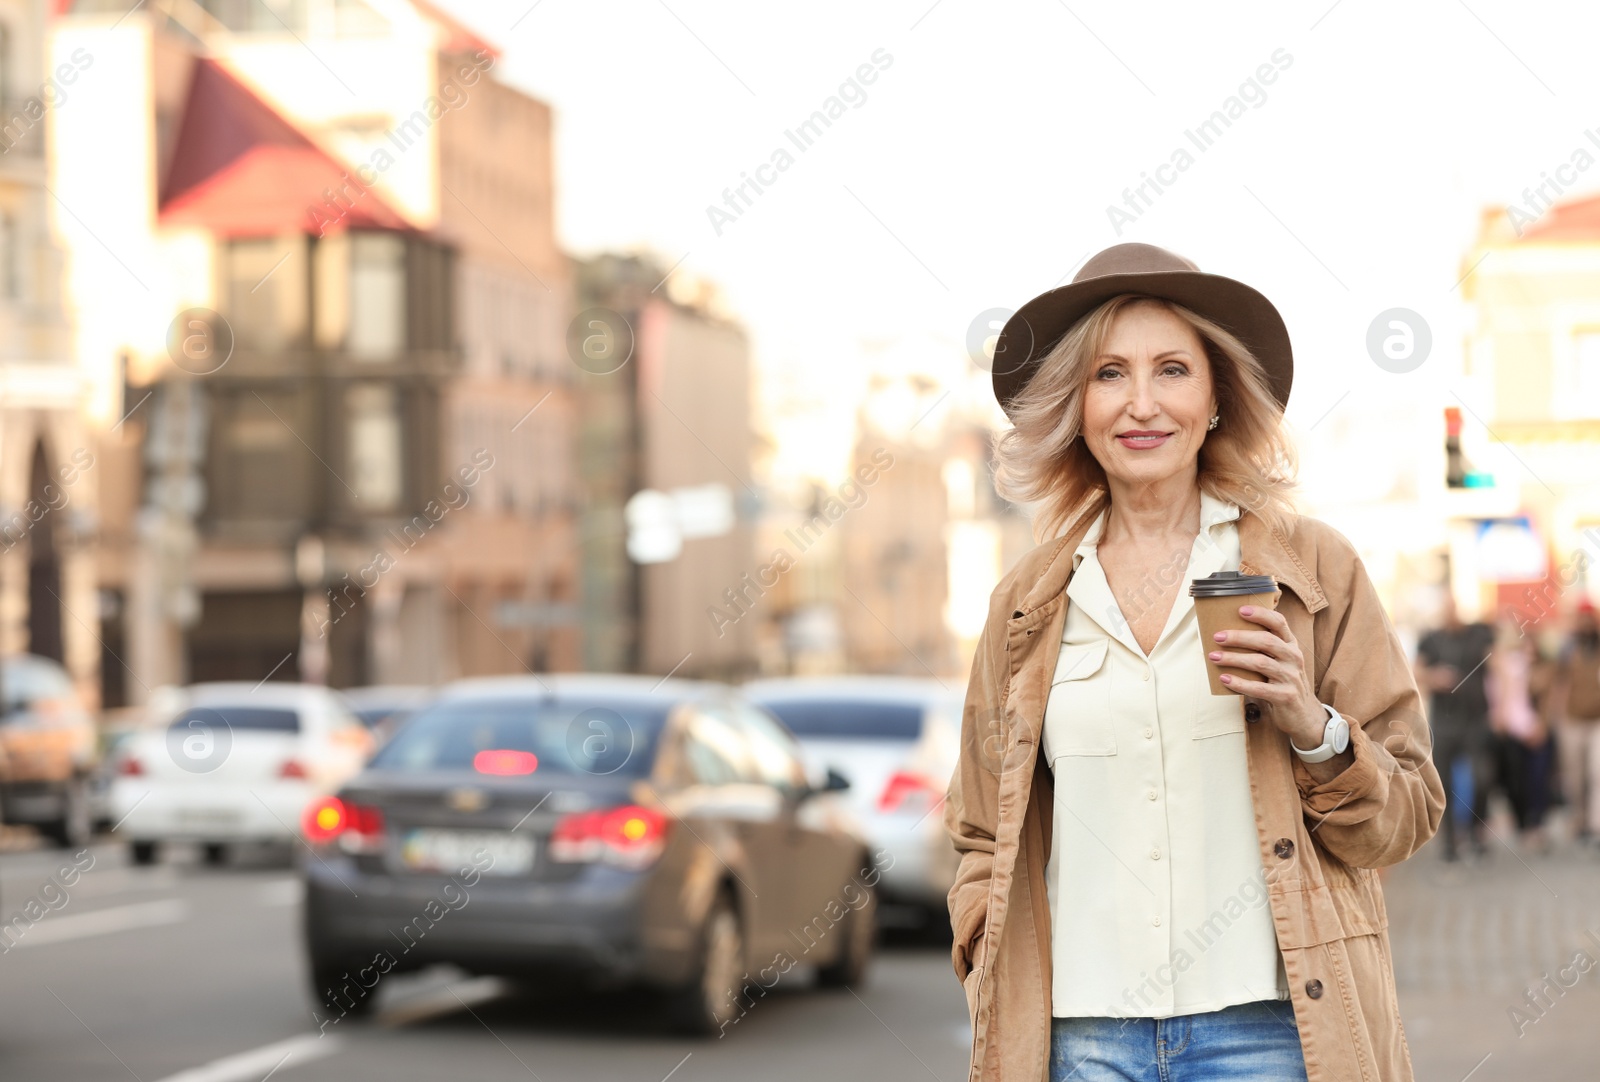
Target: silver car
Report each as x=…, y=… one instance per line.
x=896, y=740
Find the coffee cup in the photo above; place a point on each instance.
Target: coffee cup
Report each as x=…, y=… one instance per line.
x=1217, y=600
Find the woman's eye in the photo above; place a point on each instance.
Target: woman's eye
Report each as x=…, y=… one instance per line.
x=1178, y=368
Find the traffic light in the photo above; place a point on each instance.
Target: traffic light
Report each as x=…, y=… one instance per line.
x=1458, y=472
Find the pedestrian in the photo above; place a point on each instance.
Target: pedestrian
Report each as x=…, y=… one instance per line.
x=1450, y=667
x=1159, y=879
x=1577, y=708
x=1522, y=738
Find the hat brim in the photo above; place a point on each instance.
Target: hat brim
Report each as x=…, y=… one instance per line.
x=1039, y=325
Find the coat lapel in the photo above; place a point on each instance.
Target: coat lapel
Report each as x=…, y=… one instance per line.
x=1262, y=551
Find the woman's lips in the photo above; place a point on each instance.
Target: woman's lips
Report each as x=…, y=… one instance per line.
x=1144, y=443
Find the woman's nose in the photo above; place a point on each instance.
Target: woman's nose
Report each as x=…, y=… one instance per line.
x=1141, y=397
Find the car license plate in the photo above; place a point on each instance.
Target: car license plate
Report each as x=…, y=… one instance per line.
x=209, y=816
x=450, y=851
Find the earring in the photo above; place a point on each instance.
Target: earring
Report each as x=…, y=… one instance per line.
x=1213, y=423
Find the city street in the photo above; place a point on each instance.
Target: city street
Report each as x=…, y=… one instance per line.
x=186, y=972
x=153, y=972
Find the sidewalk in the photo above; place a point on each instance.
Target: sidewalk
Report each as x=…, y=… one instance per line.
x=1471, y=939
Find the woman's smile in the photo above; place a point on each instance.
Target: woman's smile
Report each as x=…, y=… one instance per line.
x=1142, y=439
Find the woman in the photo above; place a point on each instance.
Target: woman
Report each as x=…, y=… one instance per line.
x=1155, y=881
x=1517, y=685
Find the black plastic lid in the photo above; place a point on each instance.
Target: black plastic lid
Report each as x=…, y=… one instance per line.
x=1232, y=584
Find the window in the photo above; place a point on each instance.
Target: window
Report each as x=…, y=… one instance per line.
x=849, y=719
x=377, y=295
x=374, y=454
x=565, y=735
x=716, y=749
x=1583, y=394
x=10, y=279
x=263, y=306
x=236, y=718
x=777, y=758
x=26, y=680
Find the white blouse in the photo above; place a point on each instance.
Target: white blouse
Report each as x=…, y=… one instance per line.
x=1157, y=895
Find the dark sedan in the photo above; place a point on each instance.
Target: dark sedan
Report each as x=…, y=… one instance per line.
x=612, y=829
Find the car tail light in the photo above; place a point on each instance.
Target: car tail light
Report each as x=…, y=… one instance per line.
x=909, y=792
x=358, y=828
x=292, y=768
x=506, y=762
x=130, y=767
x=629, y=836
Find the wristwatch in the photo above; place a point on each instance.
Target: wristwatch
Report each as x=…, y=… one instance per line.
x=1335, y=738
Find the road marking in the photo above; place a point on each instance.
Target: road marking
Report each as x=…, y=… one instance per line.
x=105, y=921
x=264, y=1060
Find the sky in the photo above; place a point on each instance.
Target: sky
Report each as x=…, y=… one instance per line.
x=980, y=166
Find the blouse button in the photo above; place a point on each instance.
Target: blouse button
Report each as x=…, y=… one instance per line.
x=1284, y=848
x=1151, y=794
x=1148, y=733
x=1252, y=712
x=1155, y=854
x=1156, y=921
x=1314, y=988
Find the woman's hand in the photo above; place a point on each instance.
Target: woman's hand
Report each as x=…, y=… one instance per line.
x=1284, y=686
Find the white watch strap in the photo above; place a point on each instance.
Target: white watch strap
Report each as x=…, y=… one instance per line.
x=1324, y=751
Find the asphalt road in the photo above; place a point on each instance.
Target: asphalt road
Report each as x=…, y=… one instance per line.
x=182, y=973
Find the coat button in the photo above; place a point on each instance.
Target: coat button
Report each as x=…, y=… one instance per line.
x=1252, y=712
x=1314, y=988
x=1284, y=848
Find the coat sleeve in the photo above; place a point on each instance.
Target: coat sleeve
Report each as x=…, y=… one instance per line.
x=1386, y=804
x=972, y=803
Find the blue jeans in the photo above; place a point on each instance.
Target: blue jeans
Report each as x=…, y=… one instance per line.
x=1258, y=1042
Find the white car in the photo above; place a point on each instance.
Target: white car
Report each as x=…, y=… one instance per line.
x=896, y=739
x=233, y=762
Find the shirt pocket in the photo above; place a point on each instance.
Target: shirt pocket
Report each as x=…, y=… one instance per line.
x=1217, y=715
x=1078, y=714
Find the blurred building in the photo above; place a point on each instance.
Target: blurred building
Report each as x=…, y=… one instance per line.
x=325, y=307
x=1529, y=541
x=48, y=601
x=673, y=580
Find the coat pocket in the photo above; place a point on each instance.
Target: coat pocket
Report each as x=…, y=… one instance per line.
x=1077, y=717
x=970, y=987
x=1218, y=715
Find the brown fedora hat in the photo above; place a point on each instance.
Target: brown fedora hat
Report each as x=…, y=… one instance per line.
x=1037, y=326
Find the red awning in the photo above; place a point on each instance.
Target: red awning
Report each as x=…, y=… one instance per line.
x=241, y=169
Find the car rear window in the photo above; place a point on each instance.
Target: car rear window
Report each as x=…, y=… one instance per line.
x=565, y=735
x=849, y=719
x=25, y=680
x=255, y=718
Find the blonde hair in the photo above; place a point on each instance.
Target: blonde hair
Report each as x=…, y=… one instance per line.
x=1249, y=460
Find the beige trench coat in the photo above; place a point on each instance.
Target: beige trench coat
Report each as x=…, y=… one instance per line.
x=1319, y=843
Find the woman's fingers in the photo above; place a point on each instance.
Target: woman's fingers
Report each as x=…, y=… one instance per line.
x=1264, y=641
x=1256, y=662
